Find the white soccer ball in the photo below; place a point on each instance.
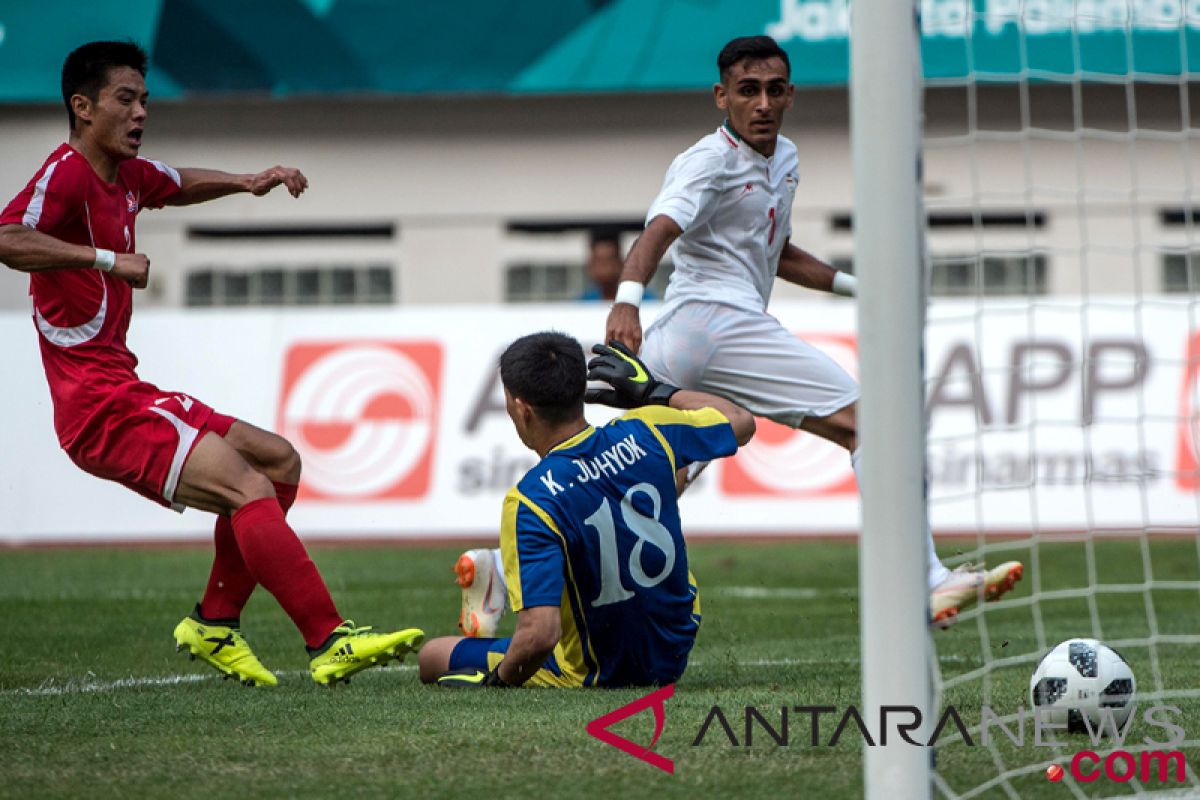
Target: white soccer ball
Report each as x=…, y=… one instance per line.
x=1083, y=678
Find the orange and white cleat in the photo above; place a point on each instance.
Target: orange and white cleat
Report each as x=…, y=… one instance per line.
x=1000, y=580
x=481, y=577
x=966, y=585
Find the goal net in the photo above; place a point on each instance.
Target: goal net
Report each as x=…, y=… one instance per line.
x=1063, y=355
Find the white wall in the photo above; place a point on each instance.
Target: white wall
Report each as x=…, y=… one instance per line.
x=452, y=172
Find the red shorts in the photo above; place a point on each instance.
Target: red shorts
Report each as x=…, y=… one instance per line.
x=142, y=436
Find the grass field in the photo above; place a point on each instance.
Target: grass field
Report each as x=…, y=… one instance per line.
x=94, y=701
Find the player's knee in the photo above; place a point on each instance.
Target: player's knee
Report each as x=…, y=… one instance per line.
x=434, y=658
x=288, y=465
x=252, y=485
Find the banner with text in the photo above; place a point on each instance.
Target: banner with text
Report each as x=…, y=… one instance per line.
x=1071, y=418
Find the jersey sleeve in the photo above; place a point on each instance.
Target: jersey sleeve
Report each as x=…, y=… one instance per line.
x=532, y=551
x=157, y=182
x=690, y=191
x=54, y=197
x=689, y=436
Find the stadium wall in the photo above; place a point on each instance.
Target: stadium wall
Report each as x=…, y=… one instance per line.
x=400, y=419
x=454, y=174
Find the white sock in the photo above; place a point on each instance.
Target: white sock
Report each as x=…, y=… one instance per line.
x=937, y=571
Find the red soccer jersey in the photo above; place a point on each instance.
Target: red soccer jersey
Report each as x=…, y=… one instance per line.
x=82, y=315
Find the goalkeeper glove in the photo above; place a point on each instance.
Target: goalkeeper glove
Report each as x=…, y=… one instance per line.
x=471, y=678
x=630, y=384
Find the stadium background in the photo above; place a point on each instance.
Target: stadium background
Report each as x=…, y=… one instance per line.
x=460, y=155
x=459, y=164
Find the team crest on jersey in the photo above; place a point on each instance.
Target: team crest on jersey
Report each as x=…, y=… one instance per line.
x=131, y=203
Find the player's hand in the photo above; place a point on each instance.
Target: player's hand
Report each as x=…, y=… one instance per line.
x=268, y=179
x=625, y=326
x=471, y=678
x=133, y=268
x=630, y=384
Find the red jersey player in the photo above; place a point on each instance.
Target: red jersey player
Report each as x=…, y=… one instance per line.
x=72, y=229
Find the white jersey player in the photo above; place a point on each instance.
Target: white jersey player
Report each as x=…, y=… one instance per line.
x=725, y=206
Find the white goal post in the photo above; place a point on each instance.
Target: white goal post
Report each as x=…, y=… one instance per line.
x=885, y=90
x=1057, y=140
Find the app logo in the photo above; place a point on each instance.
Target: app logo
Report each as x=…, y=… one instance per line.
x=363, y=416
x=656, y=700
x=1188, y=463
x=783, y=461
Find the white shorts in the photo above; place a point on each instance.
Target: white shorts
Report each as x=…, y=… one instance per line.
x=749, y=358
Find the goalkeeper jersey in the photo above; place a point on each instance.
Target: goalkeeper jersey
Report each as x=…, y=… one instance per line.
x=594, y=529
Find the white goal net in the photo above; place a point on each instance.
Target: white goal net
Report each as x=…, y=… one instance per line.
x=1059, y=151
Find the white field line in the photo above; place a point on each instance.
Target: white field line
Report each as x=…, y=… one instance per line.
x=91, y=686
x=802, y=662
x=52, y=689
x=783, y=593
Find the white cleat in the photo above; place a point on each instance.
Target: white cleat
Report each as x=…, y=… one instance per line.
x=483, y=593
x=968, y=584
x=999, y=581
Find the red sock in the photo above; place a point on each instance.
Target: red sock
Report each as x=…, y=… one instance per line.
x=230, y=583
x=276, y=558
x=285, y=493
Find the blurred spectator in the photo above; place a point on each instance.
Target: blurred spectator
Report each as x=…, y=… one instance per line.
x=604, y=269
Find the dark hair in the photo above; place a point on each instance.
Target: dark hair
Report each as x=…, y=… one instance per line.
x=86, y=69
x=755, y=48
x=546, y=370
x=605, y=233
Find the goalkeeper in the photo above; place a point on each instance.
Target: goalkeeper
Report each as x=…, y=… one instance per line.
x=593, y=556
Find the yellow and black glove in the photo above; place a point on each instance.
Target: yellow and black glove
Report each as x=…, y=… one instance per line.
x=630, y=384
x=471, y=678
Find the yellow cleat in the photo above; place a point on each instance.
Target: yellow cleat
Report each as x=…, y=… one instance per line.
x=352, y=649
x=224, y=648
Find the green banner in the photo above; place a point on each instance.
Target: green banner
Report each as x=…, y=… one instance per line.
x=283, y=48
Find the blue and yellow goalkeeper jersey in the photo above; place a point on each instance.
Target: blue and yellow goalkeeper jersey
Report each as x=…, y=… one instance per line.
x=594, y=529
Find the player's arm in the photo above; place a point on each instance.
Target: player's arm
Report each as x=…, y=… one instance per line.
x=804, y=269
x=538, y=631
x=624, y=323
x=27, y=250
x=200, y=185
x=739, y=418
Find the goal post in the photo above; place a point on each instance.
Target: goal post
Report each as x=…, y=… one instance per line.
x=1062, y=381
x=885, y=93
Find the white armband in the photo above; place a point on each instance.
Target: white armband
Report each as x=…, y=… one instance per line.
x=630, y=292
x=845, y=284
x=105, y=260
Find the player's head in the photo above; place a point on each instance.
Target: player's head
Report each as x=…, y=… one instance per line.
x=755, y=89
x=104, y=89
x=544, y=377
x=604, y=263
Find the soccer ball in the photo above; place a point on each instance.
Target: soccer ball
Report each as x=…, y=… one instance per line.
x=1079, y=678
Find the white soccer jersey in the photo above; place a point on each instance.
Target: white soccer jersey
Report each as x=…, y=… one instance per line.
x=735, y=207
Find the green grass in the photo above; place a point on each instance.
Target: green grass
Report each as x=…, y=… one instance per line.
x=77, y=621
